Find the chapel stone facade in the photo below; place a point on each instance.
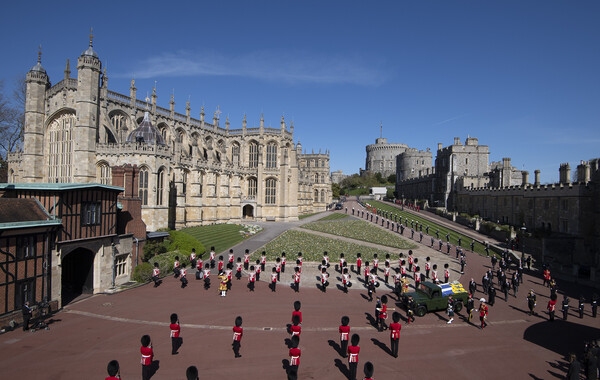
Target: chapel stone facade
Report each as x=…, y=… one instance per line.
x=191, y=171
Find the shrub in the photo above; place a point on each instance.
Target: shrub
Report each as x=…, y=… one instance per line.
x=182, y=242
x=143, y=272
x=152, y=248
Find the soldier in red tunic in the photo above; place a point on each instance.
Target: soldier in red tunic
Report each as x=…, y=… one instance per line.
x=395, y=328
x=211, y=257
x=238, y=332
x=246, y=259
x=546, y=277
x=369, y=370
x=353, y=351
x=386, y=271
x=251, y=278
x=230, y=257
x=257, y=269
x=294, y=354
x=155, y=275
x=297, y=311
x=346, y=279
x=221, y=264
x=296, y=329
x=410, y=261
x=263, y=261
x=324, y=278
x=367, y=272
x=113, y=370
x=176, y=267
x=344, y=330
x=297, y=279
x=274, y=275
x=183, y=278
x=483, y=312
x=278, y=268
x=207, y=276
x=358, y=263
x=375, y=263
x=175, y=330
x=238, y=268
x=552, y=307
x=427, y=266
x=193, y=258
x=147, y=357
x=282, y=262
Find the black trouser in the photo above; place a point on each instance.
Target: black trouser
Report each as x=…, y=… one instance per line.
x=156, y=280
x=297, y=286
x=469, y=312
x=382, y=324
x=427, y=273
x=551, y=314
x=245, y=266
x=262, y=267
x=278, y=277
x=273, y=286
x=565, y=314
x=206, y=283
x=352, y=366
x=282, y=268
x=146, y=372
x=212, y=263
x=238, y=275
x=344, y=348
x=236, y=348
x=394, y=346
x=173, y=345
x=251, y=286
x=26, y=319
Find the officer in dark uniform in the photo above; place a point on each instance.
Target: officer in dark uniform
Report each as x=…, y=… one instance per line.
x=472, y=245
x=494, y=261
x=492, y=295
x=515, y=283
x=565, y=307
x=472, y=286
x=27, y=312
x=594, y=303
x=581, y=306
x=505, y=289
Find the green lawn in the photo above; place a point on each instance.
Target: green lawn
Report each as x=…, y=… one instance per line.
x=312, y=247
x=465, y=243
x=306, y=215
x=361, y=230
x=221, y=236
x=333, y=216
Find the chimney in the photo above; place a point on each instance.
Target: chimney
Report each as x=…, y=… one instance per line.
x=564, y=172
x=583, y=172
x=537, y=177
x=525, y=175
x=439, y=146
x=457, y=141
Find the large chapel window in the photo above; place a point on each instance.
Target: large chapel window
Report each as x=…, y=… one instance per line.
x=271, y=155
x=160, y=181
x=143, y=187
x=60, y=149
x=270, y=191
x=120, y=124
x=253, y=155
x=252, y=188
x=103, y=174
x=235, y=154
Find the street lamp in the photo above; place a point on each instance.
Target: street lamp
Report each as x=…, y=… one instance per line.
x=523, y=229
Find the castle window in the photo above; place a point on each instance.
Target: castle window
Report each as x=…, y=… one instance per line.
x=316, y=178
x=322, y=178
x=26, y=247
x=184, y=181
x=270, y=191
x=160, y=181
x=253, y=155
x=90, y=213
x=271, y=155
x=121, y=265
x=60, y=149
x=252, y=187
x=322, y=196
x=103, y=174
x=235, y=154
x=466, y=161
x=120, y=124
x=316, y=196
x=322, y=163
x=143, y=187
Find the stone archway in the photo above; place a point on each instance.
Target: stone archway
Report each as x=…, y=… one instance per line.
x=77, y=274
x=248, y=212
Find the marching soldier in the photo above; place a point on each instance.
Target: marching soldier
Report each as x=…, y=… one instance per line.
x=581, y=306
x=155, y=275
x=551, y=307
x=594, y=303
x=492, y=295
x=427, y=266
x=483, y=313
x=344, y=331
x=369, y=370
x=395, y=328
x=358, y=263
x=472, y=286
x=211, y=257
x=238, y=332
x=175, y=331
x=294, y=354
x=147, y=357
x=410, y=309
x=353, y=351
x=113, y=370
x=470, y=306
x=446, y=273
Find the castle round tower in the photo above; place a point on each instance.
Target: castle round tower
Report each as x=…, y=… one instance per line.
x=381, y=156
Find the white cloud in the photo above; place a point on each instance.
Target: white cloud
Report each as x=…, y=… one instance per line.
x=266, y=65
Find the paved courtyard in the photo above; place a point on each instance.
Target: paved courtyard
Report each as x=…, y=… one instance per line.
x=90, y=332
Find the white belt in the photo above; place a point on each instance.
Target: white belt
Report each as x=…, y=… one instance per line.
x=344, y=336
x=353, y=358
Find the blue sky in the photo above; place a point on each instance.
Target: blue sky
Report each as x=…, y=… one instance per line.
x=522, y=76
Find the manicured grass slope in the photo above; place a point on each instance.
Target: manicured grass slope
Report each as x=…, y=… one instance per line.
x=465, y=243
x=221, y=236
x=361, y=230
x=333, y=216
x=312, y=247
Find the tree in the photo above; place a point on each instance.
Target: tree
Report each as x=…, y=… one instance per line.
x=12, y=118
x=379, y=178
x=391, y=178
x=335, y=190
